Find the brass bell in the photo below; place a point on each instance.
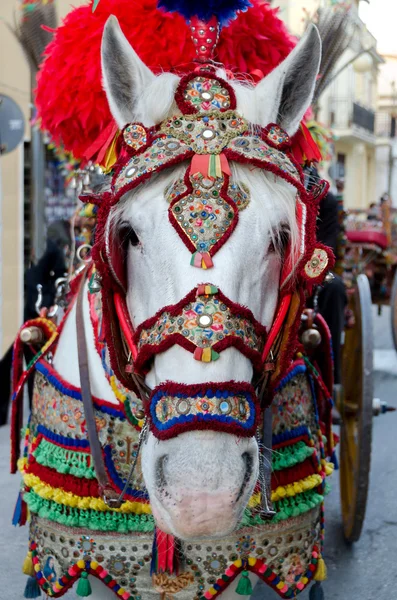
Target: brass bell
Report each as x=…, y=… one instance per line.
x=95, y=283
x=140, y=414
x=311, y=338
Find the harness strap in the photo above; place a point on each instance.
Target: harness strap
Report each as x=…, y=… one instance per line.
x=95, y=446
x=110, y=496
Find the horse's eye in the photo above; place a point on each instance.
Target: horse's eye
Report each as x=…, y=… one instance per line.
x=128, y=234
x=279, y=241
x=133, y=238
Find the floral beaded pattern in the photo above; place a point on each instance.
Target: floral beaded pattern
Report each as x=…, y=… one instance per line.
x=204, y=216
x=317, y=264
x=206, y=134
x=135, y=136
x=207, y=94
x=238, y=192
x=162, y=151
x=292, y=405
x=255, y=148
x=204, y=325
x=173, y=412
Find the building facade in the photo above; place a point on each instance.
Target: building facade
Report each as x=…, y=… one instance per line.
x=15, y=82
x=386, y=152
x=348, y=104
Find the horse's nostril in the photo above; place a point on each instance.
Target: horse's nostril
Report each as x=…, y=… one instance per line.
x=249, y=463
x=160, y=475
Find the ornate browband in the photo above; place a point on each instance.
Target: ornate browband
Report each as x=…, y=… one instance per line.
x=209, y=133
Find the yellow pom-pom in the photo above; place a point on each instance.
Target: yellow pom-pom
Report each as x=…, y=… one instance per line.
x=27, y=567
x=81, y=564
x=321, y=571
x=252, y=561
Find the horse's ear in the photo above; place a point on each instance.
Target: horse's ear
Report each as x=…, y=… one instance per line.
x=125, y=76
x=285, y=95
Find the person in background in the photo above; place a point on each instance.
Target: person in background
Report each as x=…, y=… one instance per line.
x=51, y=266
x=332, y=299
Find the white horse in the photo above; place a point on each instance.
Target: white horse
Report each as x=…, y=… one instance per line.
x=207, y=477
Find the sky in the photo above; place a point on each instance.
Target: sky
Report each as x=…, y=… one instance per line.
x=380, y=16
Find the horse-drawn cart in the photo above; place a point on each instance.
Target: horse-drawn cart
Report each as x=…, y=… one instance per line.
x=369, y=271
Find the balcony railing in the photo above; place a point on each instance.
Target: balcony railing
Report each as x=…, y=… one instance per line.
x=344, y=114
x=363, y=117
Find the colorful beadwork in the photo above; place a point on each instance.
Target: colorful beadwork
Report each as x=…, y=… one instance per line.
x=317, y=264
x=135, y=136
x=206, y=134
x=82, y=535
x=232, y=408
x=277, y=136
x=207, y=94
x=205, y=217
x=238, y=192
x=164, y=150
x=205, y=325
x=253, y=147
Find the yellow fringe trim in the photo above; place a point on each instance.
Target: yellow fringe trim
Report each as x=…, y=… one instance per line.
x=292, y=489
x=254, y=500
x=84, y=502
x=119, y=395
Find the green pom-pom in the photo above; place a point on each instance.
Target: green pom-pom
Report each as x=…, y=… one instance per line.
x=244, y=586
x=84, y=586
x=32, y=589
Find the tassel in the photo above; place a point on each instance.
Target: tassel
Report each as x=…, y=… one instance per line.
x=206, y=262
x=21, y=511
x=164, y=557
x=84, y=586
x=214, y=355
x=334, y=460
x=201, y=260
x=27, y=567
x=321, y=571
x=154, y=562
x=316, y=592
x=206, y=290
x=32, y=589
x=244, y=586
x=17, y=511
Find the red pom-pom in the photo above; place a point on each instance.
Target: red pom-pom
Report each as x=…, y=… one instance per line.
x=70, y=100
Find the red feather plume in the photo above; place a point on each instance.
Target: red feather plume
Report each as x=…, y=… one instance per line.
x=70, y=100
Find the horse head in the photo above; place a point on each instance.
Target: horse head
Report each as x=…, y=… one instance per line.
x=200, y=458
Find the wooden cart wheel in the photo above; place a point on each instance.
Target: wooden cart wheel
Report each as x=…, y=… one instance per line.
x=393, y=306
x=355, y=407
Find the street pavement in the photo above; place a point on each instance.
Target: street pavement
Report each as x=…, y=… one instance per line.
x=365, y=571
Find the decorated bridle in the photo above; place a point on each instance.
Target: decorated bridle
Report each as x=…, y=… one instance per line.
x=204, y=209
x=209, y=134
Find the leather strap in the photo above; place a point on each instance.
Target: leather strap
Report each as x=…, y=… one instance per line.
x=84, y=371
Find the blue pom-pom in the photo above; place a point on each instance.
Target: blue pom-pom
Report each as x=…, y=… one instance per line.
x=224, y=10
